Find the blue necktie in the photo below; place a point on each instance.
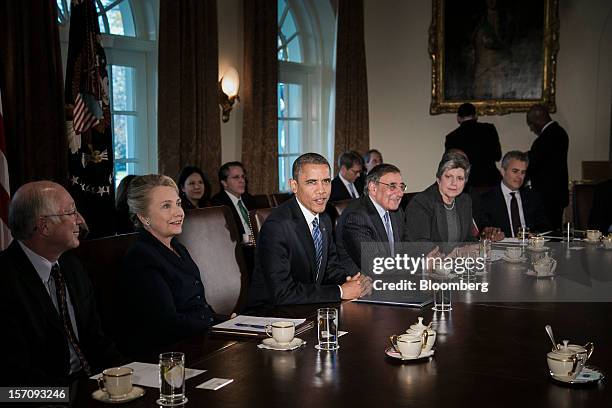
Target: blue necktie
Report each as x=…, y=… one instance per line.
x=317, y=238
x=389, y=232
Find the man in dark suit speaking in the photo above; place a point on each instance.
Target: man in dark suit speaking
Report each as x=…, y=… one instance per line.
x=51, y=329
x=373, y=219
x=509, y=206
x=296, y=259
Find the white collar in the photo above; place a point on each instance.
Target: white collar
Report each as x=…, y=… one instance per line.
x=41, y=264
x=381, y=211
x=345, y=181
x=506, y=190
x=546, y=125
x=233, y=198
x=307, y=214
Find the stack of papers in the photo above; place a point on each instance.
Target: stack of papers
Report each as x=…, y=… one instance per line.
x=252, y=324
x=148, y=374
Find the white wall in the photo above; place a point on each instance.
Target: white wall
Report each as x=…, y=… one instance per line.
x=399, y=87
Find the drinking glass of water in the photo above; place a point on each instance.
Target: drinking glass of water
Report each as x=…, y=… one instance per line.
x=327, y=328
x=171, y=379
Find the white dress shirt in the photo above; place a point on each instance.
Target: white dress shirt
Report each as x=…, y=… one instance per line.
x=507, y=197
x=246, y=237
x=349, y=186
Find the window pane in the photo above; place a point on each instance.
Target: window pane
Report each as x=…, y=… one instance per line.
x=294, y=50
x=289, y=26
x=285, y=165
x=283, y=130
x=282, y=112
x=294, y=100
x=101, y=24
x=281, y=5
x=124, y=136
x=123, y=88
x=294, y=139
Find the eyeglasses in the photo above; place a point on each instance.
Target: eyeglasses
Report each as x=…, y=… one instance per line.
x=393, y=186
x=74, y=213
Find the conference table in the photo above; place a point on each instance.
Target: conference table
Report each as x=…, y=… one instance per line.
x=486, y=354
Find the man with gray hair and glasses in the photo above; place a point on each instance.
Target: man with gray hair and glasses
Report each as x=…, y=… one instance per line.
x=52, y=331
x=509, y=206
x=374, y=219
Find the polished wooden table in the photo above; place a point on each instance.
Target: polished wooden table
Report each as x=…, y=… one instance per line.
x=486, y=354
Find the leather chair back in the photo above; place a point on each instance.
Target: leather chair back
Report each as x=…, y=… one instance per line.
x=211, y=236
x=261, y=201
x=279, y=198
x=102, y=259
x=258, y=217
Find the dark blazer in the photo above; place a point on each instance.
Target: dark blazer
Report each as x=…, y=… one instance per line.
x=480, y=142
x=285, y=266
x=425, y=219
x=35, y=346
x=163, y=294
x=548, y=170
x=601, y=213
x=340, y=192
x=360, y=223
x=221, y=198
x=493, y=211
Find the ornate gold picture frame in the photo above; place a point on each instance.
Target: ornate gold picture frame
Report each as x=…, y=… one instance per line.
x=499, y=55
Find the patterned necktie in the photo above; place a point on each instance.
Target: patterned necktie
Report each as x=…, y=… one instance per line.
x=514, y=214
x=389, y=233
x=62, y=305
x=317, y=238
x=245, y=214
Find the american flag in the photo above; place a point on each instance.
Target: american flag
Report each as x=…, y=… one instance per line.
x=87, y=112
x=5, y=233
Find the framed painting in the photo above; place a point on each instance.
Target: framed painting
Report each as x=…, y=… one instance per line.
x=499, y=55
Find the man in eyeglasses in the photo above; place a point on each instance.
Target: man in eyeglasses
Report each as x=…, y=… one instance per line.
x=346, y=184
x=375, y=219
x=51, y=329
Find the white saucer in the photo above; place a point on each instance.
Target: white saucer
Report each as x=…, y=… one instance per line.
x=535, y=274
x=514, y=260
x=534, y=249
x=273, y=344
x=103, y=396
x=587, y=375
x=390, y=351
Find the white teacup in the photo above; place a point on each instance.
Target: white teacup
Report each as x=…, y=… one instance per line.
x=116, y=382
x=593, y=235
x=408, y=345
x=281, y=332
x=513, y=252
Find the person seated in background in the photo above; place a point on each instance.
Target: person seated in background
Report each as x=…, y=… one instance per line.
x=162, y=288
x=51, y=329
x=509, y=206
x=371, y=159
x=480, y=142
x=123, y=222
x=344, y=186
x=232, y=177
x=194, y=188
x=373, y=218
x=601, y=213
x=296, y=258
x=442, y=213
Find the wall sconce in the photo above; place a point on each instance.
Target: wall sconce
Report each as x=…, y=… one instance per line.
x=228, y=91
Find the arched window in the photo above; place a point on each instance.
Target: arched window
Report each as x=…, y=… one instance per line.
x=128, y=31
x=306, y=40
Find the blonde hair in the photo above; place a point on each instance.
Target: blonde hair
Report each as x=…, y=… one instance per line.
x=138, y=194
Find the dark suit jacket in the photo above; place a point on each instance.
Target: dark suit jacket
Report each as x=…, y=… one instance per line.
x=548, y=166
x=285, y=266
x=425, y=219
x=33, y=340
x=221, y=198
x=493, y=211
x=601, y=212
x=481, y=144
x=361, y=224
x=340, y=192
x=163, y=294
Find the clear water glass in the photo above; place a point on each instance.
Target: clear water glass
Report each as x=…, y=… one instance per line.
x=171, y=379
x=327, y=328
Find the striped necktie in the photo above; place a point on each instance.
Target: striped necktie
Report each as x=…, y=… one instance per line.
x=317, y=238
x=62, y=305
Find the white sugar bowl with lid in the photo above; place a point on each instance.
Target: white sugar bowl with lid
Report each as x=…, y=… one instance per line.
x=567, y=360
x=428, y=335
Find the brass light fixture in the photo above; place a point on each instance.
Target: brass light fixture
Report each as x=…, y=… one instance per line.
x=228, y=91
